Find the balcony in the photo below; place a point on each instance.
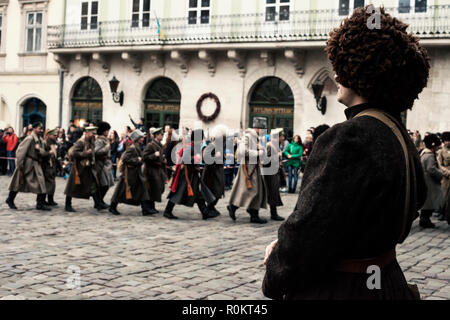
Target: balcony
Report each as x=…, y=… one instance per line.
x=310, y=25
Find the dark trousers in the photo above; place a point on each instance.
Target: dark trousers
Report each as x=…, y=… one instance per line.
x=229, y=175
x=3, y=164
x=11, y=163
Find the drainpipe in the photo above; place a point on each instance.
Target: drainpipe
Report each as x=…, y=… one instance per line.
x=61, y=83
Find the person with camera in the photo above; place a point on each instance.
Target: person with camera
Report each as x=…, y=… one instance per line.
x=12, y=141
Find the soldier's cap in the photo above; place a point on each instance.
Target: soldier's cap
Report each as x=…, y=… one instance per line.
x=52, y=132
x=91, y=129
x=136, y=135
x=156, y=131
x=37, y=124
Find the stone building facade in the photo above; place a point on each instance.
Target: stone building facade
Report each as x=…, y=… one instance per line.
x=29, y=76
x=261, y=58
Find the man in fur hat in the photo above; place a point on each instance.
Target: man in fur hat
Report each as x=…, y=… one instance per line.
x=103, y=163
x=28, y=176
x=364, y=181
x=83, y=180
x=49, y=165
x=249, y=189
x=154, y=169
x=132, y=186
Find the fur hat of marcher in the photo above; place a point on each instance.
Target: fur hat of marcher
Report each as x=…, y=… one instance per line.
x=431, y=141
x=103, y=126
x=446, y=136
x=136, y=135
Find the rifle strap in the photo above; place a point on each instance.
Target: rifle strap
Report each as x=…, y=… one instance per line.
x=410, y=210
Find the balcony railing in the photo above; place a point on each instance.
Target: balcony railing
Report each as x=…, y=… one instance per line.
x=302, y=25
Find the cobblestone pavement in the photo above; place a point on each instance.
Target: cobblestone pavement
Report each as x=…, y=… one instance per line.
x=136, y=257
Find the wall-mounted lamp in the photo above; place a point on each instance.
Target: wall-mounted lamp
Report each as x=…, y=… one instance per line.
x=321, y=102
x=117, y=96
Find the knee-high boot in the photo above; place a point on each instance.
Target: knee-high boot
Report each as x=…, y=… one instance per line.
x=254, y=216
x=51, y=200
x=68, y=206
x=274, y=214
x=168, y=211
x=40, y=203
x=10, y=200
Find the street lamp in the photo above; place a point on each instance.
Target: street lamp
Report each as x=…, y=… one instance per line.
x=117, y=96
x=321, y=102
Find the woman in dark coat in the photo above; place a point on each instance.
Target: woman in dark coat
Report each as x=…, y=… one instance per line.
x=271, y=174
x=187, y=187
x=131, y=188
x=354, y=205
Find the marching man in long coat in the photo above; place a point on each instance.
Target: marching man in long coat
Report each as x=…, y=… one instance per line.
x=187, y=187
x=83, y=180
x=103, y=163
x=154, y=169
x=213, y=173
x=28, y=176
x=272, y=176
x=249, y=189
x=443, y=160
x=49, y=165
x=132, y=186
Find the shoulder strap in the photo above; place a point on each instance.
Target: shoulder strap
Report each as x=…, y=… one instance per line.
x=410, y=211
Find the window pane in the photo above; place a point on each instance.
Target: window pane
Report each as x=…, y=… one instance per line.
x=84, y=8
x=284, y=13
x=192, y=3
x=192, y=17
x=421, y=6
x=343, y=7
x=284, y=1
x=146, y=5
x=136, y=5
x=205, y=3
x=403, y=6
x=30, y=19
x=37, y=45
x=270, y=14
x=94, y=8
x=135, y=20
x=358, y=4
x=1, y=21
x=94, y=23
x=30, y=34
x=39, y=18
x=146, y=20
x=84, y=23
x=270, y=1
x=205, y=16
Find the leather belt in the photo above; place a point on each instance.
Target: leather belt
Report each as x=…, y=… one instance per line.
x=361, y=265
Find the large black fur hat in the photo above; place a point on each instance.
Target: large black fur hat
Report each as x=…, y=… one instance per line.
x=431, y=141
x=446, y=136
x=102, y=127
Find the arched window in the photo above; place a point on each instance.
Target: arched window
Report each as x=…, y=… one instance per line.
x=273, y=100
x=87, y=101
x=33, y=110
x=162, y=104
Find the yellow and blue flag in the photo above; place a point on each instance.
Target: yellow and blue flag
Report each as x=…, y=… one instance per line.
x=160, y=33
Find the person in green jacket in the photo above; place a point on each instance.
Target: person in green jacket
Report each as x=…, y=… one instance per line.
x=293, y=152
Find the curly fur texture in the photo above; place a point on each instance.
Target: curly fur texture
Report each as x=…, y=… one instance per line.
x=386, y=66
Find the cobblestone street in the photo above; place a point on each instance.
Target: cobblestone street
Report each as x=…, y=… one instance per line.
x=135, y=257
